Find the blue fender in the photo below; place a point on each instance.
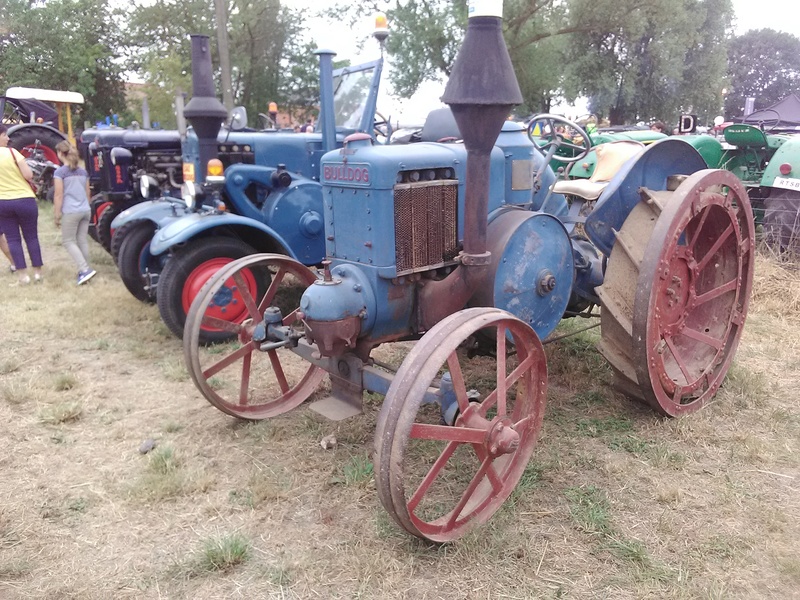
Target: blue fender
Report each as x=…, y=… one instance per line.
x=182, y=230
x=160, y=212
x=671, y=156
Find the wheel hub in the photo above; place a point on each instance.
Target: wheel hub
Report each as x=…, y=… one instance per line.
x=501, y=438
x=675, y=296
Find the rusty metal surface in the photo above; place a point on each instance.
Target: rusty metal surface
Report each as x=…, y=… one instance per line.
x=240, y=364
x=677, y=291
x=426, y=225
x=498, y=433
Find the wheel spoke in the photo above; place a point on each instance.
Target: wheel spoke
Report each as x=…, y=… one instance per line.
x=716, y=292
x=431, y=476
x=701, y=337
x=483, y=456
x=291, y=317
x=269, y=296
x=278, y=369
x=245, y=385
x=217, y=323
x=678, y=358
x=459, y=387
x=715, y=248
x=699, y=229
x=501, y=371
x=461, y=435
x=491, y=399
x=228, y=360
x=244, y=290
x=473, y=485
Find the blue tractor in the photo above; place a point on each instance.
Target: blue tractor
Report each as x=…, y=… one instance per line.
x=268, y=200
x=463, y=249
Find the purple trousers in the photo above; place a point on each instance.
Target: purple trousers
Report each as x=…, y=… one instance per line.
x=16, y=215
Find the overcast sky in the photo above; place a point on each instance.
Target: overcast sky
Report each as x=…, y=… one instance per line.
x=782, y=15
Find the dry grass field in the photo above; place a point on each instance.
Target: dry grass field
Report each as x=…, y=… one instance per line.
x=616, y=502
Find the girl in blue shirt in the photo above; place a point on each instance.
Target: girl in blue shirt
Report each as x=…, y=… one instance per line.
x=72, y=212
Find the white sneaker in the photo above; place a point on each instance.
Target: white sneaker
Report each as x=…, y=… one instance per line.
x=85, y=276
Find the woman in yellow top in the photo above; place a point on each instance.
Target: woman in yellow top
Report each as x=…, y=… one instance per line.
x=18, y=210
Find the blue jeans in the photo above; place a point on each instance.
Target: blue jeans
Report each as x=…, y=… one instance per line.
x=16, y=215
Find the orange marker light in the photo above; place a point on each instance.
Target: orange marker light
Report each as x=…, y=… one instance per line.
x=214, y=167
x=381, y=28
x=273, y=107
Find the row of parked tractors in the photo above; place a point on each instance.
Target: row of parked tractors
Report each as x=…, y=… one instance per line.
x=283, y=257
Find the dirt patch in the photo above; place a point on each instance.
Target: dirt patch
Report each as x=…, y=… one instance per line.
x=615, y=503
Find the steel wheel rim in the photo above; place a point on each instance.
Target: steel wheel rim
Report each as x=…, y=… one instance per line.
x=293, y=394
x=706, y=237
x=396, y=425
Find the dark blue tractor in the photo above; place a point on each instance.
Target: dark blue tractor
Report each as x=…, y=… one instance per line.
x=463, y=249
x=118, y=161
x=269, y=199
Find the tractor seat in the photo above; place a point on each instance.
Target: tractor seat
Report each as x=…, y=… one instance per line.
x=745, y=136
x=440, y=126
x=610, y=158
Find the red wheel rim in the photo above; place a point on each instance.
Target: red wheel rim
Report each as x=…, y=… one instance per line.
x=498, y=432
x=693, y=292
x=238, y=378
x=48, y=152
x=229, y=303
x=103, y=207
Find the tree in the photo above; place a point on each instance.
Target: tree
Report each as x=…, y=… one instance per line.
x=267, y=61
x=663, y=59
x=763, y=64
x=631, y=56
x=53, y=45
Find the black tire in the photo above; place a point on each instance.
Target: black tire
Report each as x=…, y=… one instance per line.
x=782, y=222
x=104, y=227
x=134, y=258
x=119, y=236
x=186, y=268
x=96, y=201
x=28, y=136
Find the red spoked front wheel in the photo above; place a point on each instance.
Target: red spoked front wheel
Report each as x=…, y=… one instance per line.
x=437, y=481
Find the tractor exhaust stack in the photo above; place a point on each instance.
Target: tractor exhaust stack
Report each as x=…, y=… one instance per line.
x=204, y=111
x=481, y=92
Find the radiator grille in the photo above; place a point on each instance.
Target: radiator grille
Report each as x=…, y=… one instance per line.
x=425, y=225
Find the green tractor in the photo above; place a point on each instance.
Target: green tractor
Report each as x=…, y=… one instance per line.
x=768, y=163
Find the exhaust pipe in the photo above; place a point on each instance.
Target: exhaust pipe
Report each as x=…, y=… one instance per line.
x=481, y=92
x=204, y=111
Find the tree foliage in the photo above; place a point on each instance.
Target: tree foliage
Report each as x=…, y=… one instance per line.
x=636, y=59
x=52, y=44
x=269, y=63
x=763, y=64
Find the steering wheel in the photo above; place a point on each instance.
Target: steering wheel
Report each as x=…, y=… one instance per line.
x=556, y=133
x=382, y=127
x=777, y=120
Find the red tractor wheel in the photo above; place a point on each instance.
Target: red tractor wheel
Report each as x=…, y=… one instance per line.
x=28, y=140
x=239, y=378
x=437, y=481
x=676, y=291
